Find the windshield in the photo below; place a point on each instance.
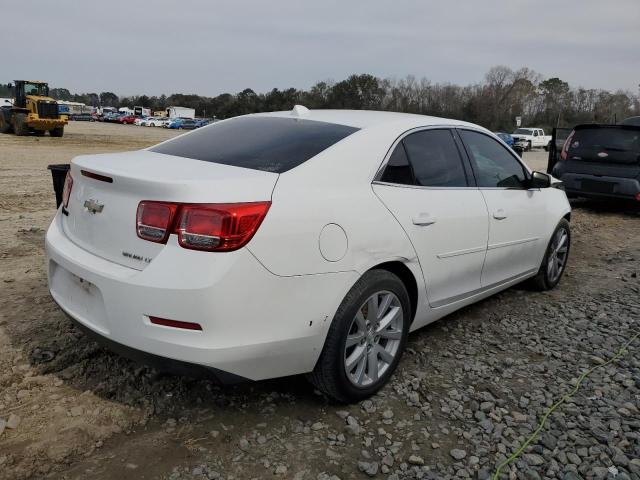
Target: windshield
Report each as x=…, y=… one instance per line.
x=524, y=131
x=39, y=89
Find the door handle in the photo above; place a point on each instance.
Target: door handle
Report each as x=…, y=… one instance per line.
x=500, y=214
x=423, y=220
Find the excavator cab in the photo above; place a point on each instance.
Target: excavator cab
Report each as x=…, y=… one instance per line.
x=33, y=111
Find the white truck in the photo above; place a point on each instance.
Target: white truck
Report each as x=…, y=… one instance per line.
x=534, y=137
x=181, y=112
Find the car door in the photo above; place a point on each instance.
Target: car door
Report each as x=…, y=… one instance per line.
x=428, y=186
x=516, y=213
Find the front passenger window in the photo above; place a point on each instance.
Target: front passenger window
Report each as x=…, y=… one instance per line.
x=494, y=166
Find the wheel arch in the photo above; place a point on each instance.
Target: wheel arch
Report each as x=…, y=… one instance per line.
x=407, y=277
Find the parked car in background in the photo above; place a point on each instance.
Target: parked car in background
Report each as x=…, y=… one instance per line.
x=201, y=122
x=156, y=122
x=188, y=124
x=126, y=119
x=178, y=123
x=601, y=161
x=140, y=121
x=505, y=137
x=631, y=121
x=345, y=229
x=533, y=137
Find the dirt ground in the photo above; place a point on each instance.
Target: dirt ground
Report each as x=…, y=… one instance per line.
x=79, y=411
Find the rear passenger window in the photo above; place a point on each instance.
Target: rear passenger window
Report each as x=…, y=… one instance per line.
x=494, y=166
x=435, y=159
x=398, y=168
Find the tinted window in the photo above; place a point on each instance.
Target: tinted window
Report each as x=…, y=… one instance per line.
x=493, y=164
x=612, y=139
x=271, y=144
x=398, y=169
x=435, y=159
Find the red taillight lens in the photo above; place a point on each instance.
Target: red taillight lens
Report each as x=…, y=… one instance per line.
x=175, y=323
x=66, y=191
x=220, y=227
x=154, y=220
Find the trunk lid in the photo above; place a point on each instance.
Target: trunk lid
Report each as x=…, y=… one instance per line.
x=102, y=215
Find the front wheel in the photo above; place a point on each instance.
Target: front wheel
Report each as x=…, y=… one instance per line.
x=529, y=146
x=366, y=338
x=555, y=258
x=57, y=132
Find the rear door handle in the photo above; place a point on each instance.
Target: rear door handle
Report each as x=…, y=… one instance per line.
x=423, y=220
x=500, y=214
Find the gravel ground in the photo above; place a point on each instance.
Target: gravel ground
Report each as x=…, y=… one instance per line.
x=469, y=390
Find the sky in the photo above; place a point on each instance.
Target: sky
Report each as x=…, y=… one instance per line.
x=210, y=47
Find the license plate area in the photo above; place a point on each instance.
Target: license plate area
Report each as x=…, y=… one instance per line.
x=78, y=297
x=597, y=186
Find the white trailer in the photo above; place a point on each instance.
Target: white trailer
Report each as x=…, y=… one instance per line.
x=6, y=102
x=181, y=112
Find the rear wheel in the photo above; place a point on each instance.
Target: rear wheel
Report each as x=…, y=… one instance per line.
x=57, y=132
x=529, y=146
x=555, y=258
x=366, y=338
x=20, y=124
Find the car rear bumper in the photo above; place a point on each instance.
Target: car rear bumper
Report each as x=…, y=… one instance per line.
x=255, y=324
x=601, y=186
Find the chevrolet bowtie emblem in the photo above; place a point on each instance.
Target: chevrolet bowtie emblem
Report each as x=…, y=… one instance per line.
x=93, y=206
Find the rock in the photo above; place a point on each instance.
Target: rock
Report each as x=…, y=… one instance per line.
x=280, y=470
x=13, y=421
x=387, y=414
x=3, y=424
x=370, y=468
x=571, y=475
x=317, y=426
x=573, y=458
x=533, y=460
x=518, y=417
x=244, y=445
x=458, y=454
x=415, y=460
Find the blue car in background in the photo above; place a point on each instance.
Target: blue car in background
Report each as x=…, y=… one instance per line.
x=506, y=138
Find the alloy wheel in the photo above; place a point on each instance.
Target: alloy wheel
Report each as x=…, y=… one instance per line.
x=374, y=338
x=557, y=255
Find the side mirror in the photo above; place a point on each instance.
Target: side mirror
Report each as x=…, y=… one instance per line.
x=539, y=180
x=9, y=86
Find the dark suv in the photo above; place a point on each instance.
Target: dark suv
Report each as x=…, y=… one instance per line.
x=601, y=161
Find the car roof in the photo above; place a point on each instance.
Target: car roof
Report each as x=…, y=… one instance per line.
x=366, y=118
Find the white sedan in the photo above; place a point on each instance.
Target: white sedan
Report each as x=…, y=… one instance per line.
x=155, y=122
x=299, y=242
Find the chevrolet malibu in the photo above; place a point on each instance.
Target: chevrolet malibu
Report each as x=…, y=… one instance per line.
x=309, y=241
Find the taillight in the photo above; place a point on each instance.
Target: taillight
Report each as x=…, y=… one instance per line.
x=221, y=227
x=564, y=153
x=154, y=220
x=66, y=191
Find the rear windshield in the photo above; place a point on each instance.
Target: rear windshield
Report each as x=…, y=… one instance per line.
x=612, y=139
x=523, y=131
x=271, y=144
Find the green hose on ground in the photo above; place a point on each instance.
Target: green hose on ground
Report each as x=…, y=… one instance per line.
x=533, y=436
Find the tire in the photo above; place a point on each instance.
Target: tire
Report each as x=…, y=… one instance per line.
x=529, y=147
x=353, y=320
x=5, y=126
x=547, y=279
x=39, y=133
x=547, y=147
x=57, y=132
x=20, y=124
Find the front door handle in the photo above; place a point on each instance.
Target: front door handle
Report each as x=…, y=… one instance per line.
x=423, y=220
x=500, y=214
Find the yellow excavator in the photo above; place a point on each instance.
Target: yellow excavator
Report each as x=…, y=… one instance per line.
x=33, y=111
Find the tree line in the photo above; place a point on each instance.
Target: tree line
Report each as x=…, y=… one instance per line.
x=494, y=102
